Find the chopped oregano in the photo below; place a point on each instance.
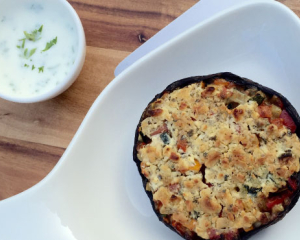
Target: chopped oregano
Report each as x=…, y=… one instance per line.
x=26, y=65
x=34, y=35
x=41, y=69
x=33, y=67
x=50, y=44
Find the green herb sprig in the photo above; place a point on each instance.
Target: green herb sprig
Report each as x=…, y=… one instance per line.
x=23, y=43
x=34, y=35
x=41, y=69
x=50, y=44
x=29, y=54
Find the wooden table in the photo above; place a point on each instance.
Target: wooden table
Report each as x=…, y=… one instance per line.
x=34, y=136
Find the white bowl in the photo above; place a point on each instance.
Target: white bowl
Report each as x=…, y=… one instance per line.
x=95, y=191
x=66, y=10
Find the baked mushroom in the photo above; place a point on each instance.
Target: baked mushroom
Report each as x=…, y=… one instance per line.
x=219, y=156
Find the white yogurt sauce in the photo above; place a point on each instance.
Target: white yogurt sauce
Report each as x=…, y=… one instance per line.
x=43, y=71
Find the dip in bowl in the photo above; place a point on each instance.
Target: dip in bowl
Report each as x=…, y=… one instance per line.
x=42, y=49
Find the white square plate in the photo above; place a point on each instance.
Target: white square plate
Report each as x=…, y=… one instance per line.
x=95, y=191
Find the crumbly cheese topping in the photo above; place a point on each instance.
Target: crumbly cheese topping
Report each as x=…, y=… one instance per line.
x=212, y=167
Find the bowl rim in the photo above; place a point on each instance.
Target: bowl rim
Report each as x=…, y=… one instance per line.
x=74, y=71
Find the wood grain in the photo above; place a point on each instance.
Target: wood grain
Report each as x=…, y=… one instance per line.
x=23, y=164
x=118, y=24
x=34, y=136
x=292, y=4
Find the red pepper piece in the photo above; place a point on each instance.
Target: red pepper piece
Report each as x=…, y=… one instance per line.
x=278, y=122
x=274, y=201
x=271, y=202
x=265, y=111
x=288, y=121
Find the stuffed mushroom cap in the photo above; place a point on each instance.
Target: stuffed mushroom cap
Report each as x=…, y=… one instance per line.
x=219, y=156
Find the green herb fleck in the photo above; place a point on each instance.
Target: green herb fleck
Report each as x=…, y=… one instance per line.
x=41, y=29
x=33, y=67
x=34, y=35
x=252, y=190
x=258, y=98
x=28, y=55
x=41, y=69
x=50, y=44
x=26, y=65
x=165, y=138
x=23, y=43
x=270, y=176
x=30, y=36
x=32, y=52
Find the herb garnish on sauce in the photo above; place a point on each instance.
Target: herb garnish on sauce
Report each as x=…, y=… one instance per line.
x=23, y=43
x=34, y=35
x=41, y=69
x=50, y=44
x=28, y=55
